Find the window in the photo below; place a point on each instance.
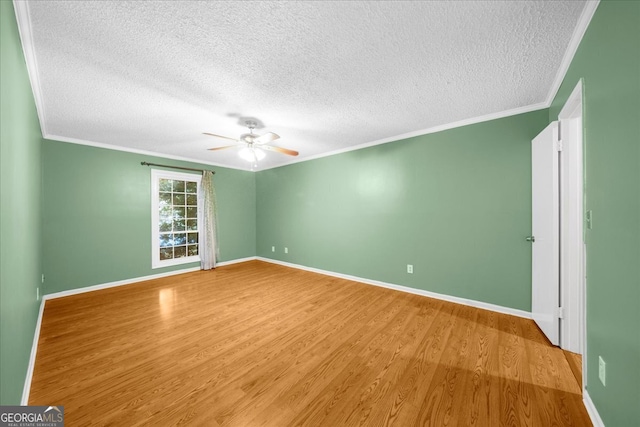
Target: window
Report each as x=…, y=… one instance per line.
x=174, y=218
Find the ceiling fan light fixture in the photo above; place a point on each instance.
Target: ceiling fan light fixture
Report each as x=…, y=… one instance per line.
x=246, y=154
x=251, y=154
x=259, y=153
x=253, y=145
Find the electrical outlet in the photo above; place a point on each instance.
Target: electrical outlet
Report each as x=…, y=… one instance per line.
x=602, y=371
x=273, y=248
x=286, y=250
x=589, y=218
x=42, y=277
x=410, y=268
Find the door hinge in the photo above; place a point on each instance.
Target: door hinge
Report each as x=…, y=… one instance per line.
x=559, y=145
x=559, y=130
x=560, y=313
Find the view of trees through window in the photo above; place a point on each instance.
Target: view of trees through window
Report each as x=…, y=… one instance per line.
x=178, y=220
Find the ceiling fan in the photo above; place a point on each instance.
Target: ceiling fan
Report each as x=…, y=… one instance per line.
x=254, y=144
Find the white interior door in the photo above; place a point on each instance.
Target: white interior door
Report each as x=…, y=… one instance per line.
x=545, y=232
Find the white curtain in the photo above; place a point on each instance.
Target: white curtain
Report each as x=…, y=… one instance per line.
x=208, y=229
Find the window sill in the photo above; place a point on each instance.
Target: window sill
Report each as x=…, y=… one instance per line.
x=175, y=261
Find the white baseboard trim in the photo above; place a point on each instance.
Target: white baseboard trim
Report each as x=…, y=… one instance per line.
x=236, y=261
x=135, y=280
x=449, y=298
x=77, y=291
x=32, y=357
x=591, y=410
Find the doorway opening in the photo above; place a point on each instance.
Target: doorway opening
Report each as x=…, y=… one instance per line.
x=572, y=230
x=558, y=303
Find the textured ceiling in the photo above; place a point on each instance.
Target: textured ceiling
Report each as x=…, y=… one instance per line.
x=325, y=76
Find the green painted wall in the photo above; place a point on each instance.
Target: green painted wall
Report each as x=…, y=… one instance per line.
x=455, y=204
x=97, y=215
x=20, y=219
x=609, y=61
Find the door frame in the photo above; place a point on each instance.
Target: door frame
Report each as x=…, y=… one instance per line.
x=572, y=231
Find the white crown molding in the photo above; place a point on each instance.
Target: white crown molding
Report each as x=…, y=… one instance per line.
x=435, y=129
x=591, y=410
x=443, y=297
x=578, y=33
x=26, y=390
x=23, y=19
x=136, y=151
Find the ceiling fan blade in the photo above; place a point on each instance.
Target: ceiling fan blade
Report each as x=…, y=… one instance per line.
x=280, y=150
x=267, y=137
x=221, y=148
x=219, y=136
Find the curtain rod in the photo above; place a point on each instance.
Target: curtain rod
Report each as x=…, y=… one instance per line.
x=174, y=167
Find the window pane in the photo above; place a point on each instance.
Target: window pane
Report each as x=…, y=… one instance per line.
x=178, y=186
x=192, y=237
x=192, y=250
x=165, y=224
x=180, y=252
x=178, y=199
x=179, y=212
x=166, y=240
x=180, y=239
x=166, y=253
x=165, y=199
x=166, y=212
x=192, y=224
x=192, y=212
x=192, y=200
x=178, y=225
x=192, y=187
x=165, y=184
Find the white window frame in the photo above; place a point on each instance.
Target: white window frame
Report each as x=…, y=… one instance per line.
x=156, y=175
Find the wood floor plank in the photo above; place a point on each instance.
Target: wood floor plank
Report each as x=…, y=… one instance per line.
x=265, y=345
x=480, y=400
x=575, y=363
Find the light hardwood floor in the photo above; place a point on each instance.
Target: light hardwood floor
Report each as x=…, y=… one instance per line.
x=575, y=363
x=257, y=344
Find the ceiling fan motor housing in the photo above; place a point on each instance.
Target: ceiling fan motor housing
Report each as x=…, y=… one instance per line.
x=248, y=137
